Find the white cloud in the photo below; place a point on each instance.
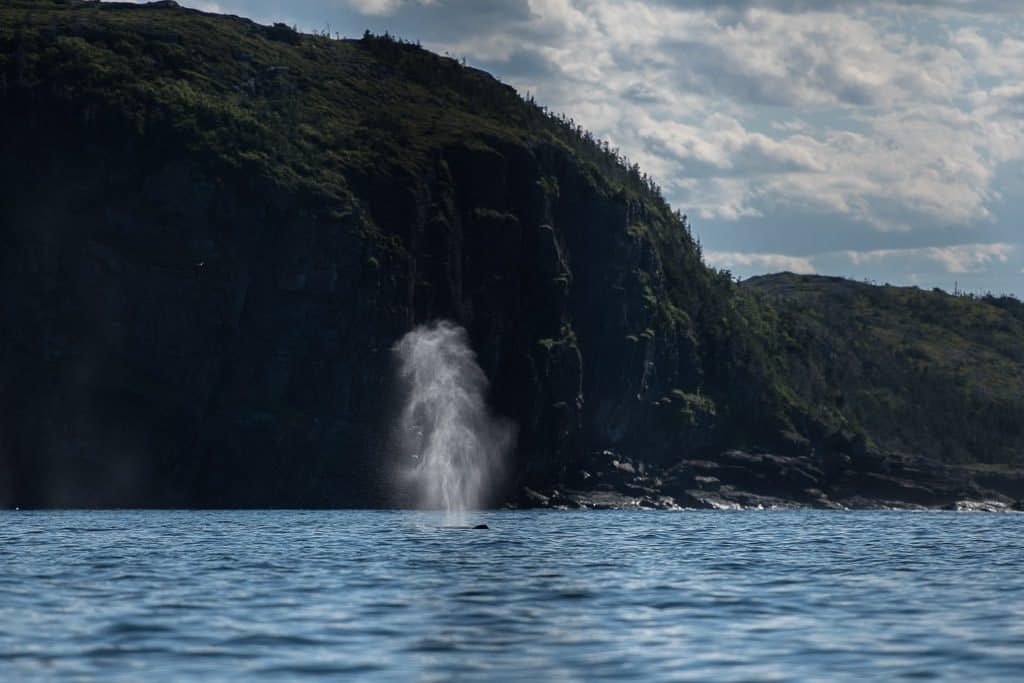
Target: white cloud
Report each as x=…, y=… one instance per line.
x=213, y=7
x=381, y=7
x=956, y=259
x=740, y=112
x=1001, y=57
x=769, y=262
x=910, y=265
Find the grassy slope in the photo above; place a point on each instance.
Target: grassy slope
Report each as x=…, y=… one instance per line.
x=920, y=371
x=313, y=115
x=304, y=110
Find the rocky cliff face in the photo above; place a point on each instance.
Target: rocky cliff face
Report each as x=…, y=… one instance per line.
x=213, y=232
x=180, y=332
x=177, y=337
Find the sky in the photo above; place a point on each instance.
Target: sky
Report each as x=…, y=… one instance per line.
x=878, y=140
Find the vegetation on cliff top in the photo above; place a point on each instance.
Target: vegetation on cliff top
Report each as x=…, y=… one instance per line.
x=919, y=371
x=304, y=110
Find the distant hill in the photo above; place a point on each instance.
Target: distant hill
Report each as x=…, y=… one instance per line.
x=213, y=231
x=918, y=371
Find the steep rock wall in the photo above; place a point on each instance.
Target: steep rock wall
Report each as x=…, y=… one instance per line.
x=178, y=335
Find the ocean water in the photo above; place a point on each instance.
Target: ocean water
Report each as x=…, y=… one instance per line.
x=541, y=596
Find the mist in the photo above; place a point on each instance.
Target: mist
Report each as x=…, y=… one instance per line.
x=453, y=449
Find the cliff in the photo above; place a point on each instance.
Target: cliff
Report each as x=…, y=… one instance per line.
x=212, y=233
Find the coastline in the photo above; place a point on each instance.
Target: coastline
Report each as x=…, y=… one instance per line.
x=737, y=480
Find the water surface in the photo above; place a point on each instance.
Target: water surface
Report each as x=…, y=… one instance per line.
x=725, y=596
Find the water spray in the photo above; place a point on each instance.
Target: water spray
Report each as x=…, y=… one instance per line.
x=454, y=447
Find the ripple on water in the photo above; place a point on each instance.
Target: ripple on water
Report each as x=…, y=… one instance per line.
x=544, y=595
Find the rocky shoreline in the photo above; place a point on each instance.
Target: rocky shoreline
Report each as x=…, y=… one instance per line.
x=735, y=480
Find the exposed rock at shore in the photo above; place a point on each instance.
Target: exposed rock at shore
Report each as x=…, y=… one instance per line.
x=739, y=480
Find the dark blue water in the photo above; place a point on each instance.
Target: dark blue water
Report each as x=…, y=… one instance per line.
x=723, y=596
